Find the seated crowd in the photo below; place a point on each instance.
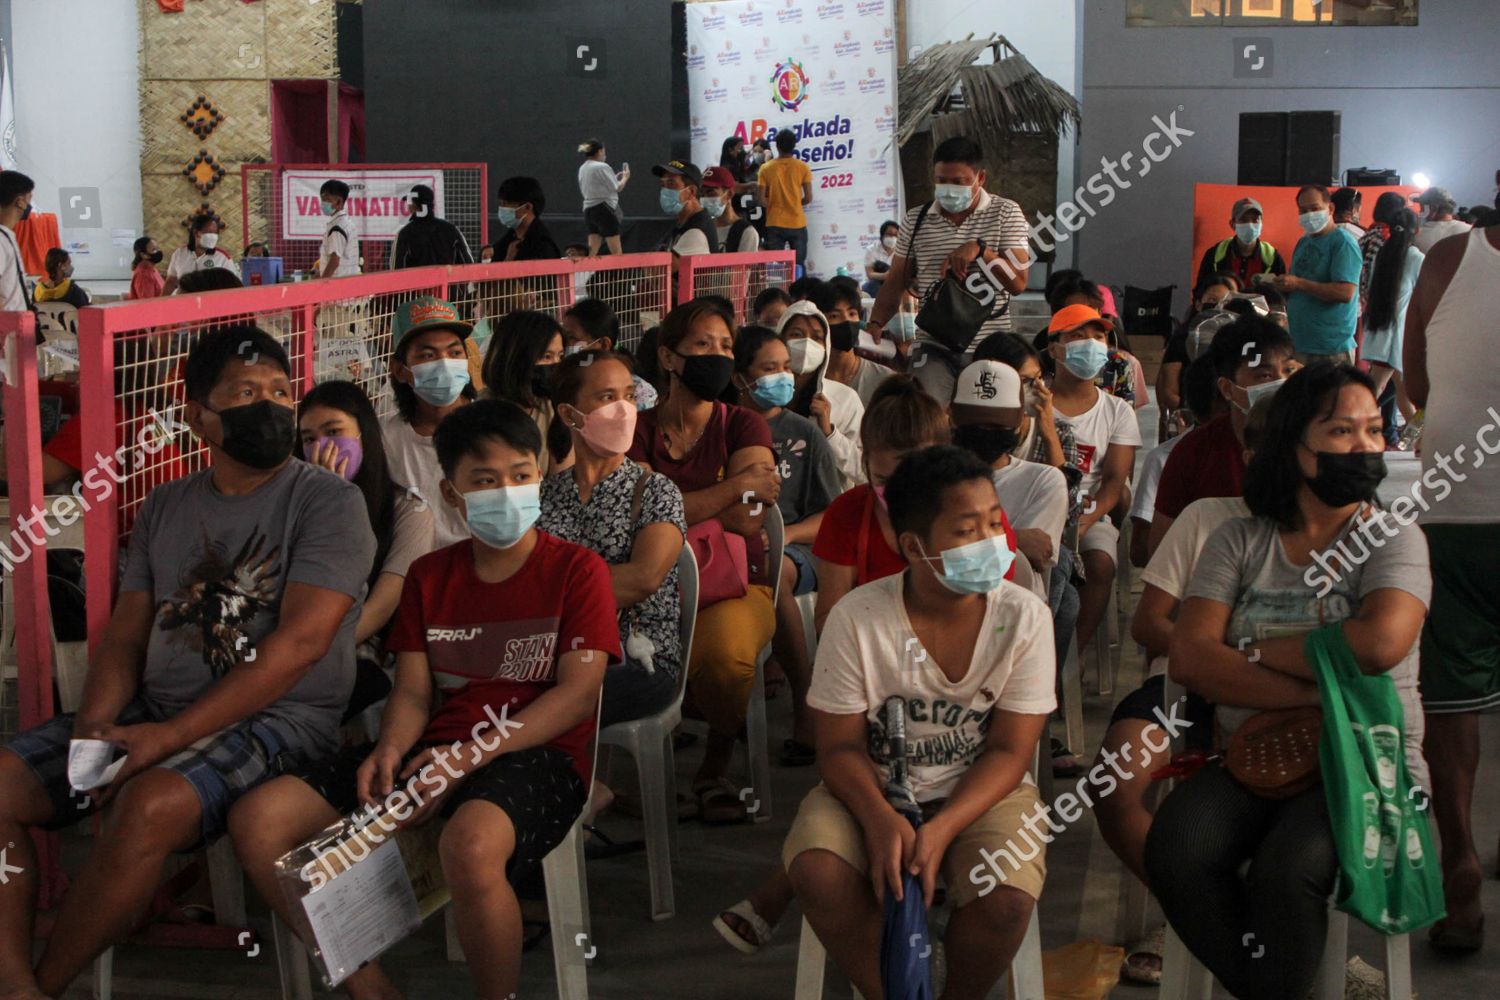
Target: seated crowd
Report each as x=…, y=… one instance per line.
x=499, y=567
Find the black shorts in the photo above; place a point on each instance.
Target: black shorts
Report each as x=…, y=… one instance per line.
x=1145, y=701
x=602, y=220
x=538, y=788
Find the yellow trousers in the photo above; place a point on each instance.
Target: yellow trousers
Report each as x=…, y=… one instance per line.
x=727, y=641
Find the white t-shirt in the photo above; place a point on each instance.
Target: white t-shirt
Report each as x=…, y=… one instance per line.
x=1143, y=505
x=12, y=278
x=339, y=238
x=184, y=260
x=598, y=184
x=691, y=243
x=1171, y=567
x=1110, y=421
x=869, y=652
x=847, y=410
x=1034, y=495
x=878, y=254
x=413, y=463
x=749, y=240
x=1431, y=232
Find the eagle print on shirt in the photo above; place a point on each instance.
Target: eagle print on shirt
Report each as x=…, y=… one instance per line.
x=220, y=598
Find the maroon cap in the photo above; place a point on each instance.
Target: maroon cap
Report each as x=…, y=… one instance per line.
x=718, y=177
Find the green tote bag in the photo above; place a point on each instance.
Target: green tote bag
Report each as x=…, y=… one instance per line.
x=1389, y=876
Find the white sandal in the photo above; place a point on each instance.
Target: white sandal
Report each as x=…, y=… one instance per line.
x=758, y=927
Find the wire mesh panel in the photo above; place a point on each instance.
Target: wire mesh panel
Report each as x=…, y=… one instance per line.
x=738, y=277
x=282, y=208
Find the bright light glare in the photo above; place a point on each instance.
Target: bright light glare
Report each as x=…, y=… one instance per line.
x=1421, y=180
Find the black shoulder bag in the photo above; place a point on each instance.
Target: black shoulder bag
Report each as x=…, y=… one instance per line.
x=951, y=313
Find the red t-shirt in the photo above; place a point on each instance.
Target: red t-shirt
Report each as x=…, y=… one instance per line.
x=1210, y=462
x=730, y=428
x=147, y=468
x=496, y=645
x=850, y=535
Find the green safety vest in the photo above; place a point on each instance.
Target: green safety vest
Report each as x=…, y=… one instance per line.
x=1267, y=254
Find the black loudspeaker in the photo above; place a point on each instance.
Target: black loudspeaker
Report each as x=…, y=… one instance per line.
x=1312, y=147
x=1371, y=177
x=1263, y=149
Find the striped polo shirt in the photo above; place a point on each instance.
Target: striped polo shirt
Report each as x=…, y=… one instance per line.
x=998, y=221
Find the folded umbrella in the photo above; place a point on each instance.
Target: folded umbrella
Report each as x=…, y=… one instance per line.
x=905, y=973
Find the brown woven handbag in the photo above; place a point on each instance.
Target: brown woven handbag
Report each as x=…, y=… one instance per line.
x=1275, y=753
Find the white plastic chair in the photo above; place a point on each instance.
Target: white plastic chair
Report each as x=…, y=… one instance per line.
x=567, y=909
x=1183, y=977
x=757, y=733
x=1025, y=969
x=649, y=741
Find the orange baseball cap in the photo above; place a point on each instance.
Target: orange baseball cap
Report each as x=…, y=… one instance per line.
x=1072, y=317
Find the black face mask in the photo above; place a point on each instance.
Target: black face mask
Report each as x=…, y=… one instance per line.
x=541, y=381
x=260, y=435
x=706, y=375
x=988, y=441
x=843, y=335
x=1347, y=477
x=155, y=256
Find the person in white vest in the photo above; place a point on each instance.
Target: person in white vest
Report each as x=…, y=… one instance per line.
x=338, y=257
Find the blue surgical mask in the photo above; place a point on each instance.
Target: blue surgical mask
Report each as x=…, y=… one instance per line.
x=976, y=568
x=1313, y=223
x=440, y=382
x=906, y=326
x=1085, y=358
x=773, y=390
x=508, y=217
x=1258, y=392
x=714, y=207
x=955, y=198
x=671, y=200
x=1247, y=232
x=500, y=517
x=327, y=208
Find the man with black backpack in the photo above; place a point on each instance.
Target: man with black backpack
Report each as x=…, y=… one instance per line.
x=978, y=239
x=426, y=240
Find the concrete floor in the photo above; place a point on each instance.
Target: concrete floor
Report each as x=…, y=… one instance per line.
x=684, y=959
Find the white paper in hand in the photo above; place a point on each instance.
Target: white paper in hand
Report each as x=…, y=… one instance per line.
x=91, y=763
x=881, y=349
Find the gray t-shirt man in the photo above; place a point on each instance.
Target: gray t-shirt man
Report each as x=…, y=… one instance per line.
x=1244, y=566
x=216, y=566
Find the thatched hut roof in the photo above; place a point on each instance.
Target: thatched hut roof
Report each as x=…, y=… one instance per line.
x=1005, y=96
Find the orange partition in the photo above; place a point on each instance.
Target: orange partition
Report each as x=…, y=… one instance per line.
x=1213, y=202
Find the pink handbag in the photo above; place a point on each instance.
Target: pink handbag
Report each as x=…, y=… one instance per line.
x=723, y=562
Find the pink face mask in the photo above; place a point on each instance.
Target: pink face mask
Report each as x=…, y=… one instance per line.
x=610, y=429
x=879, y=493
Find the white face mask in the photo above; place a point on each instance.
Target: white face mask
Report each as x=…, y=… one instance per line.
x=889, y=242
x=1313, y=223
x=207, y=241
x=807, y=354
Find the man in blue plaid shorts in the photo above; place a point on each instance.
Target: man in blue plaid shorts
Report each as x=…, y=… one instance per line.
x=228, y=659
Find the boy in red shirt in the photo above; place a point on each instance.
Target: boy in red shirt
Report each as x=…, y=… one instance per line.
x=515, y=627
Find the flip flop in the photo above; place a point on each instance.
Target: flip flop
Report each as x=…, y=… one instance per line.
x=719, y=804
x=759, y=929
x=1135, y=967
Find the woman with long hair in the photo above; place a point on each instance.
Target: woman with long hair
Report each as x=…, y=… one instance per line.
x=630, y=516
x=1392, y=282
x=720, y=457
x=810, y=480
x=340, y=432
x=1316, y=551
x=601, y=187
x=519, y=366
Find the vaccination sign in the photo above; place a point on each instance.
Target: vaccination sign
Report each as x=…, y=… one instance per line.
x=377, y=205
x=826, y=71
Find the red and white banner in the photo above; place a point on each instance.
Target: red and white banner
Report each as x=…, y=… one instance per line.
x=824, y=69
x=377, y=205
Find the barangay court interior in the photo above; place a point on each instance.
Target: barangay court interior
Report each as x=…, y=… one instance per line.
x=1135, y=128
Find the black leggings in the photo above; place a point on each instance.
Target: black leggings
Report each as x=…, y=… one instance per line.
x=1260, y=933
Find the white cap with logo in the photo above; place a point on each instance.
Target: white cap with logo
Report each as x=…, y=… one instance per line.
x=988, y=392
